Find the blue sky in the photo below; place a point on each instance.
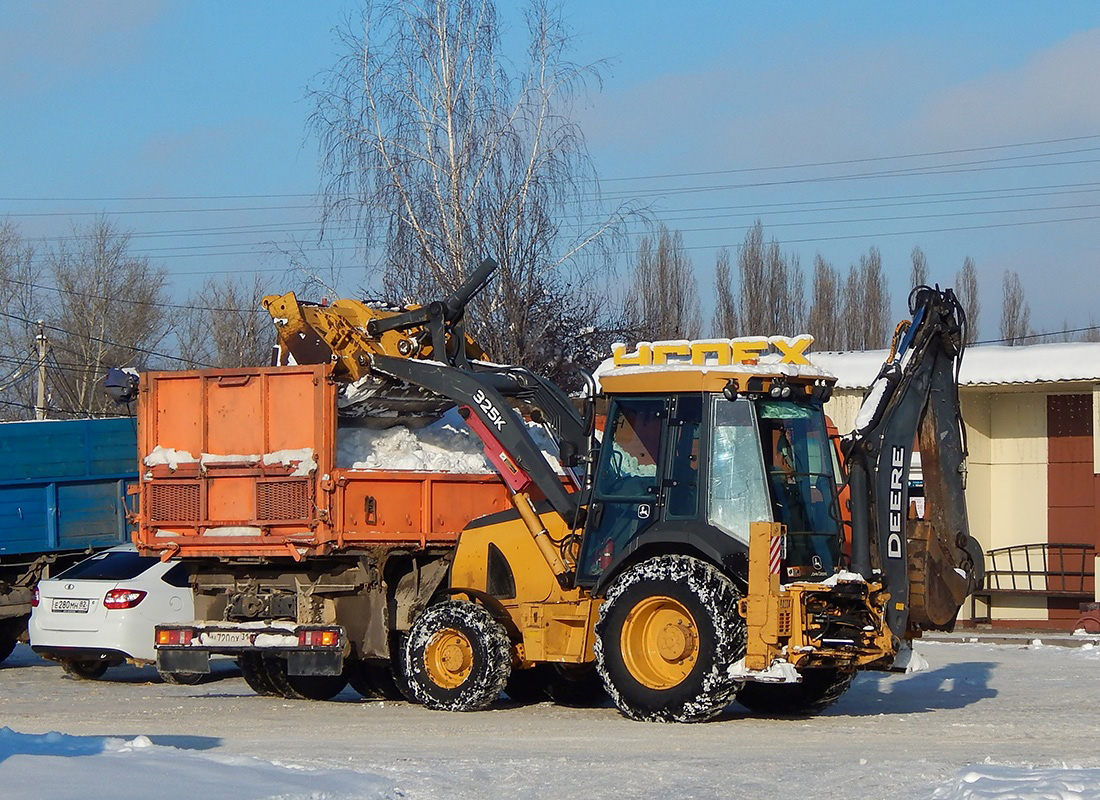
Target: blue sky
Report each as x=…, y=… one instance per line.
x=107, y=107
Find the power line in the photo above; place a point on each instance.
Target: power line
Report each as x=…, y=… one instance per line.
x=1065, y=332
x=157, y=211
x=90, y=338
x=155, y=304
x=846, y=162
x=662, y=176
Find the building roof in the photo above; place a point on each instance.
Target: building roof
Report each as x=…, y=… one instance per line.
x=985, y=365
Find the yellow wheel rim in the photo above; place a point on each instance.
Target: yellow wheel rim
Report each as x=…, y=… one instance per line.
x=660, y=642
x=449, y=658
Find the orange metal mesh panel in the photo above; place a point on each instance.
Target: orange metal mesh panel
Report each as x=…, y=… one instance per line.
x=174, y=501
x=277, y=500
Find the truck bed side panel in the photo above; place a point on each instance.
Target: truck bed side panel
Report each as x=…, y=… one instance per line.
x=62, y=484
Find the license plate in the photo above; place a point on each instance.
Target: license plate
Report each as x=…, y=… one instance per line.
x=227, y=638
x=68, y=604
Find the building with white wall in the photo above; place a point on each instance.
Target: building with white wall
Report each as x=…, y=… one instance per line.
x=1030, y=414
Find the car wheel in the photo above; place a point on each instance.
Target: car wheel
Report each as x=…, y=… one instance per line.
x=457, y=657
x=255, y=674
x=84, y=669
x=302, y=687
x=182, y=678
x=667, y=635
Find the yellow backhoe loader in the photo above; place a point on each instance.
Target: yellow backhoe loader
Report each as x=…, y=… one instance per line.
x=698, y=552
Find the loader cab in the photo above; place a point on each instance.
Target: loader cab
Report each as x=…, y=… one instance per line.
x=690, y=471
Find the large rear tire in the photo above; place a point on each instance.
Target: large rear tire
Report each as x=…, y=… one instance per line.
x=374, y=679
x=182, y=678
x=301, y=687
x=380, y=678
x=85, y=670
x=575, y=685
x=255, y=674
x=527, y=685
x=668, y=633
x=457, y=657
x=819, y=689
x=10, y=630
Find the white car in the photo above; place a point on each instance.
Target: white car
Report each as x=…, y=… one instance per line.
x=103, y=611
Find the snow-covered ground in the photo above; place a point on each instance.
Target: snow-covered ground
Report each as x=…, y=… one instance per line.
x=984, y=722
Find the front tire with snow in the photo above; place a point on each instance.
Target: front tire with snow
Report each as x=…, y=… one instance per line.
x=457, y=657
x=668, y=633
x=819, y=689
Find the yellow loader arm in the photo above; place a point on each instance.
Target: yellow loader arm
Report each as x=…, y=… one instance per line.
x=348, y=333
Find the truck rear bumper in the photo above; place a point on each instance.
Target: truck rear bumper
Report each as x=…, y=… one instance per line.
x=308, y=649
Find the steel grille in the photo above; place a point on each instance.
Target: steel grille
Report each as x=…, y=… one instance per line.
x=174, y=501
x=278, y=500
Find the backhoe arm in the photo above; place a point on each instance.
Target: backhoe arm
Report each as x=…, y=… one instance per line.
x=928, y=566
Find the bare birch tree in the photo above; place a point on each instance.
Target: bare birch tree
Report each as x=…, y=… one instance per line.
x=664, y=301
x=110, y=312
x=966, y=286
x=224, y=325
x=441, y=152
x=21, y=305
x=826, y=307
x=724, y=321
x=1015, y=312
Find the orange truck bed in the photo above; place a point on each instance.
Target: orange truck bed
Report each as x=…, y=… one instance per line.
x=241, y=463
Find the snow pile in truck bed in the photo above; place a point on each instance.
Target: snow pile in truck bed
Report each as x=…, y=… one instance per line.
x=445, y=445
x=439, y=447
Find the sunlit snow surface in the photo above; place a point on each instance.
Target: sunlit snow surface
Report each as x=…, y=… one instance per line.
x=985, y=722
x=56, y=765
x=991, y=782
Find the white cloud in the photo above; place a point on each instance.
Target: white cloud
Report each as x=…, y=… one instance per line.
x=1055, y=93
x=42, y=44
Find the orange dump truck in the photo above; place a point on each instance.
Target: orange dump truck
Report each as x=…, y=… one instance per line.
x=304, y=570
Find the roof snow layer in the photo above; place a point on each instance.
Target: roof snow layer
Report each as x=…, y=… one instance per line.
x=985, y=365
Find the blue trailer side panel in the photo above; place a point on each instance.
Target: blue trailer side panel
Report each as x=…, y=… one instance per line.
x=63, y=484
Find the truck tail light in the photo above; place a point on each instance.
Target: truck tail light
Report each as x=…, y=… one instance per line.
x=319, y=638
x=123, y=598
x=178, y=636
x=34, y=598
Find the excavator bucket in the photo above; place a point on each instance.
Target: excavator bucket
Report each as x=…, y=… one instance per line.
x=350, y=334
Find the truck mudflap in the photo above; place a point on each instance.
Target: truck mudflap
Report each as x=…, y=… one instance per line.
x=308, y=649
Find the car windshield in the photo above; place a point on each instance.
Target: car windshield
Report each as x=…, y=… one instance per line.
x=111, y=566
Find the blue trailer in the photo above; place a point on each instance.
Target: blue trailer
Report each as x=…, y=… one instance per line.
x=62, y=496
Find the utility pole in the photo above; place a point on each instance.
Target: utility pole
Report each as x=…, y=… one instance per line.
x=43, y=349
